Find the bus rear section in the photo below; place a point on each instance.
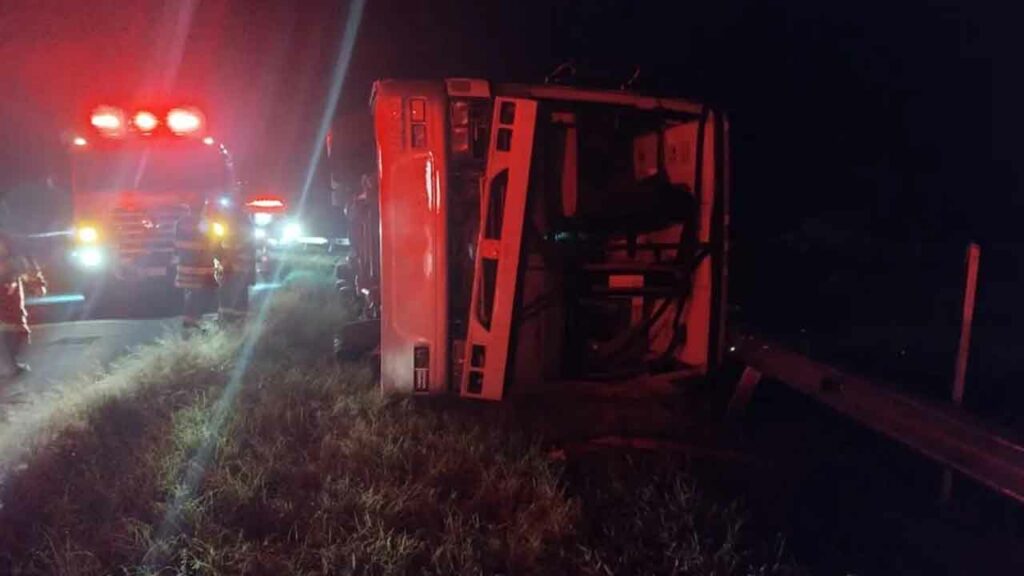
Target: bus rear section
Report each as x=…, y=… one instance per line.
x=537, y=237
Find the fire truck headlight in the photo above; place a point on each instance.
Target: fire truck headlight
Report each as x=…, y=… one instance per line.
x=219, y=230
x=291, y=232
x=87, y=234
x=90, y=257
x=262, y=218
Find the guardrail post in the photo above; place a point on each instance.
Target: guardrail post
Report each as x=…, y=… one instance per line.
x=967, y=318
x=963, y=349
x=744, y=391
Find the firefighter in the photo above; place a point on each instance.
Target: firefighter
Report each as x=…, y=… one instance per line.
x=194, y=248
x=236, y=263
x=18, y=274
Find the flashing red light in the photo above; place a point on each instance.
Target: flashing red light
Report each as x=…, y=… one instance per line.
x=266, y=204
x=184, y=120
x=145, y=120
x=107, y=119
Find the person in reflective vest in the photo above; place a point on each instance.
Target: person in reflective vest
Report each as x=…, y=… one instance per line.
x=194, y=248
x=236, y=264
x=18, y=274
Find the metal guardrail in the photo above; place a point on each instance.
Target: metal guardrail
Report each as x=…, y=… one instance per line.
x=944, y=434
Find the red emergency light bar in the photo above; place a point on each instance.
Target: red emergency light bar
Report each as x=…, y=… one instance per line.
x=145, y=121
x=266, y=204
x=184, y=120
x=107, y=119
x=111, y=121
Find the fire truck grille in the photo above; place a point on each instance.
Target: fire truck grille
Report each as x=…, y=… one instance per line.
x=146, y=236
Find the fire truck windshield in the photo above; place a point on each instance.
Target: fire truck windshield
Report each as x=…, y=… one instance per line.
x=153, y=169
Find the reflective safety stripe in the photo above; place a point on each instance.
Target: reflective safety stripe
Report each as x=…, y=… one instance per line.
x=195, y=283
x=187, y=274
x=196, y=270
x=199, y=277
x=195, y=277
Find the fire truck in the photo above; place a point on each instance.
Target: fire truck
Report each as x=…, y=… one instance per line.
x=525, y=237
x=135, y=171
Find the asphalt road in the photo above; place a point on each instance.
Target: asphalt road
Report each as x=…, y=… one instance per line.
x=60, y=352
x=62, y=355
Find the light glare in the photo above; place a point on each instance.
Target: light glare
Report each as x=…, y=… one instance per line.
x=182, y=121
x=292, y=231
x=88, y=234
x=106, y=121
x=90, y=257
x=145, y=120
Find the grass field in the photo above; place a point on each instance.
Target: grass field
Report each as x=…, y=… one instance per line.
x=256, y=454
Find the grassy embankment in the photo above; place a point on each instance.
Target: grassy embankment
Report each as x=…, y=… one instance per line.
x=198, y=462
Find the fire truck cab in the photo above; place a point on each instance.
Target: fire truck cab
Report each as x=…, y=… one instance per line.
x=536, y=235
x=134, y=174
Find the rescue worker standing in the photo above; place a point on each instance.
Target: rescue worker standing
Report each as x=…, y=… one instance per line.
x=18, y=274
x=236, y=263
x=194, y=248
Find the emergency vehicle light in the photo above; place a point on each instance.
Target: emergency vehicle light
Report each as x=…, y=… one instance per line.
x=87, y=234
x=265, y=204
x=79, y=141
x=107, y=119
x=184, y=120
x=145, y=120
x=291, y=233
x=90, y=257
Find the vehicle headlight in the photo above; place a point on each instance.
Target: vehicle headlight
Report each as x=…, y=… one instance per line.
x=90, y=257
x=292, y=231
x=87, y=234
x=219, y=229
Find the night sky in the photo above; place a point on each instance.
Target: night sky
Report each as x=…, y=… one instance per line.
x=904, y=117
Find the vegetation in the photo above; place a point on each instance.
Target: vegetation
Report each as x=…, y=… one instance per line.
x=253, y=453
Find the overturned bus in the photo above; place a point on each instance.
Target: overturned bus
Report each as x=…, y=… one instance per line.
x=523, y=237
